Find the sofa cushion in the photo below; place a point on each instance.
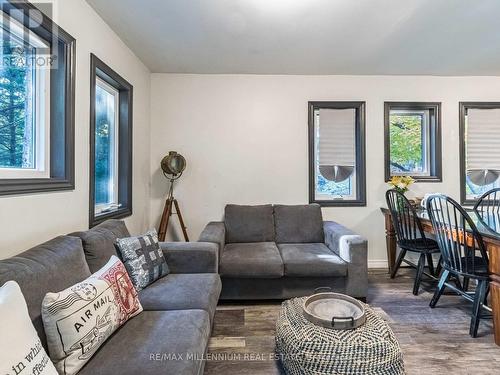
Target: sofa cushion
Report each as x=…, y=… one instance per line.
x=155, y=342
x=255, y=260
x=191, y=257
x=311, y=260
x=298, y=224
x=53, y=265
x=249, y=223
x=99, y=242
x=143, y=258
x=19, y=343
x=183, y=291
x=79, y=319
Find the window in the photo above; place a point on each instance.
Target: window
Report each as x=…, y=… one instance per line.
x=480, y=149
x=413, y=141
x=24, y=104
x=106, y=146
x=337, y=153
x=36, y=102
x=111, y=144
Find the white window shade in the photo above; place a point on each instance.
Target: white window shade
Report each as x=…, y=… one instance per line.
x=483, y=145
x=337, y=143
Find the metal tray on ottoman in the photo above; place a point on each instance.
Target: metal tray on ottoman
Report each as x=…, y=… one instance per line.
x=305, y=348
x=334, y=310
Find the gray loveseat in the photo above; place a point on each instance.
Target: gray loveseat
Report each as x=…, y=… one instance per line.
x=169, y=337
x=277, y=252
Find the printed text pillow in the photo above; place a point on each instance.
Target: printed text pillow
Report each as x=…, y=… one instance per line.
x=21, y=351
x=143, y=258
x=79, y=319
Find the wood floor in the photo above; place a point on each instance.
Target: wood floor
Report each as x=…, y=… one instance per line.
x=434, y=341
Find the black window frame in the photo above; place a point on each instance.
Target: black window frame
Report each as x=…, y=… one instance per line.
x=463, y=106
x=434, y=108
x=125, y=141
x=359, y=107
x=62, y=105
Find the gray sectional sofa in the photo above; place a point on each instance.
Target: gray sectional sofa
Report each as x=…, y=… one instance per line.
x=169, y=337
x=277, y=252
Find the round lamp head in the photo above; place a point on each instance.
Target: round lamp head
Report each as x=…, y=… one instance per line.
x=173, y=164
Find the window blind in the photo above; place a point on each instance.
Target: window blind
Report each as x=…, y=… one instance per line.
x=483, y=145
x=337, y=143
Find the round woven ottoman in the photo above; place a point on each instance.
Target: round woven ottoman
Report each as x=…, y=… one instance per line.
x=306, y=349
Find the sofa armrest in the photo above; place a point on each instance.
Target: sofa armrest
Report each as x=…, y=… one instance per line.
x=214, y=232
x=353, y=249
x=191, y=257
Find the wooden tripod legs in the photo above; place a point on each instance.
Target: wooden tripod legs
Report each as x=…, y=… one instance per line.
x=165, y=218
x=181, y=220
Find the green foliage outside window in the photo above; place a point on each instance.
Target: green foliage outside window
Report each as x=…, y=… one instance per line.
x=16, y=122
x=406, y=143
x=343, y=188
x=104, y=146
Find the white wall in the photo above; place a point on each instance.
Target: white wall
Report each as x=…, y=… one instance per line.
x=30, y=219
x=245, y=140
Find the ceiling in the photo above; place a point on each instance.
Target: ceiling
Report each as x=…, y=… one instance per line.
x=394, y=37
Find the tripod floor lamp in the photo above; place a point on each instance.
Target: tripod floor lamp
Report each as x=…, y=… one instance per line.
x=172, y=166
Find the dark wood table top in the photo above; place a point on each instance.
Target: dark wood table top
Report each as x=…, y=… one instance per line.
x=487, y=223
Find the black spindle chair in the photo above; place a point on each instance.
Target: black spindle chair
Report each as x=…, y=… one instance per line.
x=463, y=253
x=410, y=236
x=489, y=202
x=487, y=208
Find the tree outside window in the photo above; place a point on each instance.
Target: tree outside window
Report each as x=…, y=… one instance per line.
x=412, y=141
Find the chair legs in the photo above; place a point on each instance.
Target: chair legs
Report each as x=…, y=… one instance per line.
x=420, y=271
x=440, y=288
x=479, y=297
x=401, y=256
x=457, y=282
x=430, y=263
x=439, y=265
x=485, y=302
x=465, y=284
x=420, y=268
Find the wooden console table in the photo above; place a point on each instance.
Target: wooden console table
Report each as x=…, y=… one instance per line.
x=489, y=229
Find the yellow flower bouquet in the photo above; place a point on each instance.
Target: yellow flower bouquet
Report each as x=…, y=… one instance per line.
x=401, y=183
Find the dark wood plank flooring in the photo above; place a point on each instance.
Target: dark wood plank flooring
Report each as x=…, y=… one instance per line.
x=434, y=341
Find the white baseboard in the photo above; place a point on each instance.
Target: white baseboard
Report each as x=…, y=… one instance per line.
x=377, y=263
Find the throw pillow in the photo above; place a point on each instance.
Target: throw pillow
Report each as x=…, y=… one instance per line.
x=143, y=258
x=21, y=351
x=79, y=319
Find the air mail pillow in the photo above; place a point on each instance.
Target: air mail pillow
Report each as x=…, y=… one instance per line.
x=21, y=351
x=79, y=319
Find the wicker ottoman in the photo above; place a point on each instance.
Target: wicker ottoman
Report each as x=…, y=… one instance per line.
x=307, y=349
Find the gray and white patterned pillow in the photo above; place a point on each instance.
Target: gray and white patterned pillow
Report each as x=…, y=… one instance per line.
x=143, y=258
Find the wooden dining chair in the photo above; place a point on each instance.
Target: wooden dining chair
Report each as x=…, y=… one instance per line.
x=463, y=253
x=410, y=236
x=489, y=202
